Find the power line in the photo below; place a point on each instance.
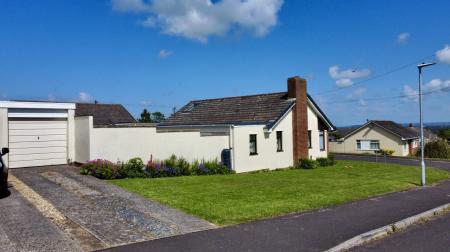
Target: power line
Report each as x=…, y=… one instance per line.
x=383, y=97
x=376, y=76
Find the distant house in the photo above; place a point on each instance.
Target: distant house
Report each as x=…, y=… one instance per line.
x=427, y=134
x=375, y=135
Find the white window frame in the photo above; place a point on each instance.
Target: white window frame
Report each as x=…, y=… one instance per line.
x=366, y=145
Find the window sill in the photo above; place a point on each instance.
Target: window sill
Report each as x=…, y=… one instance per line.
x=280, y=151
x=253, y=154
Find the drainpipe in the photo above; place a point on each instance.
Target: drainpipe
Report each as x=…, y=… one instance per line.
x=231, y=146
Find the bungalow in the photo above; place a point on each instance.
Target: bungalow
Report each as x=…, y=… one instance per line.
x=245, y=132
x=375, y=135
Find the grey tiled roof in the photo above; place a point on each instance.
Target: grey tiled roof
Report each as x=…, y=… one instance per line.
x=104, y=114
x=252, y=109
x=396, y=128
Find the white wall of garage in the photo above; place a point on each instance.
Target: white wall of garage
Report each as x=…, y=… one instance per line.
x=27, y=127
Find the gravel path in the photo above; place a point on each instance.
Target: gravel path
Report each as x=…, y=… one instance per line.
x=112, y=215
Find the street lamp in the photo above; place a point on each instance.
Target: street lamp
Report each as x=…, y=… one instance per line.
x=422, y=142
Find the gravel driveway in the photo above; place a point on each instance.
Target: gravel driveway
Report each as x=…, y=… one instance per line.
x=109, y=214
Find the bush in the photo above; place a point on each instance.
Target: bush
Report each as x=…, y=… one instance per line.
x=386, y=152
x=322, y=162
x=328, y=161
x=134, y=168
x=306, y=163
x=331, y=159
x=102, y=169
x=436, y=149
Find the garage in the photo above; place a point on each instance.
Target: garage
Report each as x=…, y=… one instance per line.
x=37, y=133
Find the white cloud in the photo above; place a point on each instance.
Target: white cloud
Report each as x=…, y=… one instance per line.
x=345, y=78
x=444, y=55
x=147, y=103
x=410, y=93
x=200, y=19
x=403, y=38
x=434, y=86
x=163, y=54
x=85, y=97
x=357, y=95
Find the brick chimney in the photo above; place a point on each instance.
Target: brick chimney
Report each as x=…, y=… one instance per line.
x=297, y=90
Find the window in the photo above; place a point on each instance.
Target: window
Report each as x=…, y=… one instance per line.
x=253, y=149
x=279, y=141
x=322, y=140
x=309, y=139
x=367, y=144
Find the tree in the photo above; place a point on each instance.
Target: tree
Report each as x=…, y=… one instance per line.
x=145, y=117
x=157, y=117
x=444, y=133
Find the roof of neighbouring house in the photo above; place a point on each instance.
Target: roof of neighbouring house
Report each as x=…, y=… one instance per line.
x=264, y=109
x=104, y=114
x=428, y=134
x=393, y=127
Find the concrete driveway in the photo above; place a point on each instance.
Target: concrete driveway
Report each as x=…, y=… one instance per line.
x=85, y=213
x=24, y=228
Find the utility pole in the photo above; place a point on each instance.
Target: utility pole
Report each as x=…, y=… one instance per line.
x=422, y=141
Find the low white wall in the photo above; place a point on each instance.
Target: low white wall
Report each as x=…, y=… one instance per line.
x=268, y=157
x=125, y=143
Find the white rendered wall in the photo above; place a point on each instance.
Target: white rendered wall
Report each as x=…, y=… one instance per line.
x=268, y=157
x=313, y=125
x=124, y=143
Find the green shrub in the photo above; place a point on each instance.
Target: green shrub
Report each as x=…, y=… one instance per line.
x=322, y=162
x=436, y=149
x=386, y=152
x=306, y=163
x=328, y=161
x=331, y=159
x=134, y=168
x=102, y=169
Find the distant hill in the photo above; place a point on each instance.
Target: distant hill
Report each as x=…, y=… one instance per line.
x=434, y=126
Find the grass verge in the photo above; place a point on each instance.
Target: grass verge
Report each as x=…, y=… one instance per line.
x=238, y=198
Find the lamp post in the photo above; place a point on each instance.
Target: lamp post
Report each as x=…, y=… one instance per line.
x=422, y=141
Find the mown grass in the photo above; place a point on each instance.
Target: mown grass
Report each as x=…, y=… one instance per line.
x=232, y=199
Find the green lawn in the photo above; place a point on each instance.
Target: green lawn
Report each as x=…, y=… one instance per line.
x=231, y=199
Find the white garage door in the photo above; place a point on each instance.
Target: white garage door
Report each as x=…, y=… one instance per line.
x=35, y=142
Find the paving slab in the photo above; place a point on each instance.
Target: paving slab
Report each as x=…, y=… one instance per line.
x=112, y=215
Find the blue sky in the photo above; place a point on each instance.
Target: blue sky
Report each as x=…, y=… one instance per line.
x=358, y=55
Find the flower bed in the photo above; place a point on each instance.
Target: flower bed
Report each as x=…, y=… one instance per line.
x=135, y=168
